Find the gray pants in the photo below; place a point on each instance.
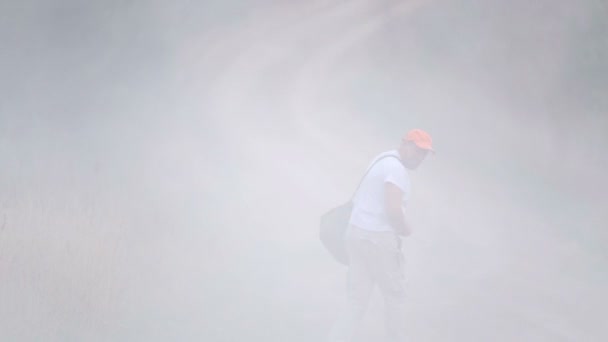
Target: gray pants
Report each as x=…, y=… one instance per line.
x=375, y=258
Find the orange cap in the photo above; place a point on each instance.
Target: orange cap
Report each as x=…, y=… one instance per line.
x=421, y=138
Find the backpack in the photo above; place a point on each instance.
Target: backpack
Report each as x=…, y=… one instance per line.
x=334, y=224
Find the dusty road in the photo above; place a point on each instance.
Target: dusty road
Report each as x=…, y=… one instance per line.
x=170, y=189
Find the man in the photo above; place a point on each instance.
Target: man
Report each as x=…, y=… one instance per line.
x=373, y=239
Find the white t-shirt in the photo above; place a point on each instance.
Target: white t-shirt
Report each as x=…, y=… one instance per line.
x=369, y=211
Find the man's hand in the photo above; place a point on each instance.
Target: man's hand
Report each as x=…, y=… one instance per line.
x=407, y=231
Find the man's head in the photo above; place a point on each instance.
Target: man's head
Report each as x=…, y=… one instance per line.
x=414, y=147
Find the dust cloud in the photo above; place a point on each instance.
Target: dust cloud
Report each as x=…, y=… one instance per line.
x=165, y=165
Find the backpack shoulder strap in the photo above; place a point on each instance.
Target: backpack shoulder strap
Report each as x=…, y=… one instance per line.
x=369, y=169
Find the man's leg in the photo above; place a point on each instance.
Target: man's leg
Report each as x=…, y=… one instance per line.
x=390, y=275
x=359, y=289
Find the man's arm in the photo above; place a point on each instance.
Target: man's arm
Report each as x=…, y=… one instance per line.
x=393, y=197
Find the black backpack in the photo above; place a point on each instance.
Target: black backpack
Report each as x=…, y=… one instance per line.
x=335, y=222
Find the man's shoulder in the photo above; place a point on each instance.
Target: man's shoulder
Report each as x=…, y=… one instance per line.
x=387, y=155
x=389, y=158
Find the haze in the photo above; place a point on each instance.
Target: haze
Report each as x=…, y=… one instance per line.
x=165, y=165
